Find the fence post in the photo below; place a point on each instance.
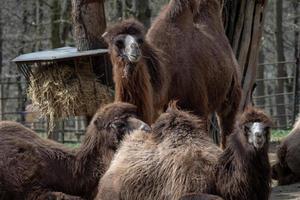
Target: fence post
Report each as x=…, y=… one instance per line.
x=296, y=89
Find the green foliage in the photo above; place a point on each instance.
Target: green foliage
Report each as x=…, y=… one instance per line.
x=72, y=145
x=278, y=135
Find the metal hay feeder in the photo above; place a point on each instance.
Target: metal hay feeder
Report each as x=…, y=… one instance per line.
x=90, y=70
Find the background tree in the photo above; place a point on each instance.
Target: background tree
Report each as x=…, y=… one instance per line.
x=281, y=72
x=89, y=24
x=244, y=20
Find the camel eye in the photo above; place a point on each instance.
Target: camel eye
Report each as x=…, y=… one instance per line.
x=140, y=41
x=119, y=43
x=118, y=125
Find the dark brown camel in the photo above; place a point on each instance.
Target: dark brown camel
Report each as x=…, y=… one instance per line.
x=178, y=158
x=198, y=63
x=243, y=170
x=34, y=168
x=138, y=70
x=287, y=169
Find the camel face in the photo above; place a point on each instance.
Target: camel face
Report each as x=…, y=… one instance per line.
x=128, y=49
x=132, y=49
x=257, y=134
x=129, y=124
x=119, y=119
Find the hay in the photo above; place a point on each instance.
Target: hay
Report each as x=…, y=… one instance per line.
x=63, y=91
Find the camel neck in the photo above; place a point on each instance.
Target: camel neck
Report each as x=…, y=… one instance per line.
x=137, y=90
x=91, y=161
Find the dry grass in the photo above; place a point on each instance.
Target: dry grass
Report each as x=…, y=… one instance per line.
x=62, y=91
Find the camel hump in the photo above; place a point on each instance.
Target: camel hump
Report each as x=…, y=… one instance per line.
x=177, y=7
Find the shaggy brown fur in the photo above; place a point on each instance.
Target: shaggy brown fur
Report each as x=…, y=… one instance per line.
x=35, y=168
x=243, y=172
x=204, y=72
x=146, y=86
x=200, y=197
x=200, y=65
x=178, y=158
x=287, y=168
x=175, y=159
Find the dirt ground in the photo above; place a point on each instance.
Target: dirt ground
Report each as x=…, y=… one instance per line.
x=289, y=192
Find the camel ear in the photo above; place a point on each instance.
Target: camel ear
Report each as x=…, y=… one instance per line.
x=172, y=106
x=98, y=123
x=105, y=36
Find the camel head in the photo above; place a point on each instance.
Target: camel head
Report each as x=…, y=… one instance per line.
x=125, y=41
x=116, y=120
x=256, y=125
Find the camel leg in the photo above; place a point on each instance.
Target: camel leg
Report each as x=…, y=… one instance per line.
x=227, y=114
x=200, y=196
x=43, y=194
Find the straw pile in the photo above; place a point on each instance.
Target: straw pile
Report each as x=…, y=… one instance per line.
x=63, y=91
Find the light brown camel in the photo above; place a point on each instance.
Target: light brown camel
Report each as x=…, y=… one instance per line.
x=178, y=158
x=197, y=62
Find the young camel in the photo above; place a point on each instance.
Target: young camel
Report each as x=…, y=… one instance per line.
x=34, y=168
x=197, y=63
x=178, y=158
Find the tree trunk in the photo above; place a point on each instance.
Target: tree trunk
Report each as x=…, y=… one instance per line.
x=141, y=10
x=1, y=40
x=281, y=72
x=55, y=27
x=38, y=21
x=1, y=58
x=260, y=89
x=297, y=56
x=66, y=25
x=244, y=21
x=89, y=24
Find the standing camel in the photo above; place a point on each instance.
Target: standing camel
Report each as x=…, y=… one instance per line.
x=195, y=61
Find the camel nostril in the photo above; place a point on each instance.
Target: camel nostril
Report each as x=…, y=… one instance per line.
x=134, y=45
x=258, y=134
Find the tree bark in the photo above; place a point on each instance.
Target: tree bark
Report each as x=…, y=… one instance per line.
x=260, y=89
x=89, y=24
x=281, y=72
x=55, y=27
x=141, y=10
x=297, y=56
x=1, y=41
x=66, y=24
x=39, y=26
x=244, y=21
x=1, y=60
